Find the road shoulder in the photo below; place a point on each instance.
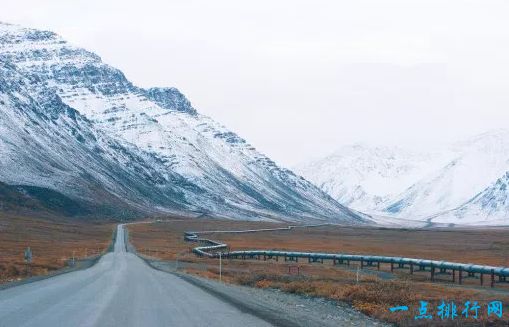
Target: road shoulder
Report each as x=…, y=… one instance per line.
x=275, y=306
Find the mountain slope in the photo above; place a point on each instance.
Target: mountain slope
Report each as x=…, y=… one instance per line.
x=474, y=165
x=491, y=206
x=46, y=144
x=392, y=182
x=32, y=200
x=182, y=160
x=365, y=177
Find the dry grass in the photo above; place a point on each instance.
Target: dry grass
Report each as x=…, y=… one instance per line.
x=52, y=243
x=373, y=296
x=165, y=240
x=370, y=295
x=490, y=247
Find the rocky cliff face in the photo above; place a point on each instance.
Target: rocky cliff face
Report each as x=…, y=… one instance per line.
x=170, y=98
x=75, y=125
x=45, y=143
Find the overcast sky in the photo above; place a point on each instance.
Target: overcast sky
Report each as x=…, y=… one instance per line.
x=299, y=79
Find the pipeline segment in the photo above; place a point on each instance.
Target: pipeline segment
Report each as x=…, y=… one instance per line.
x=211, y=249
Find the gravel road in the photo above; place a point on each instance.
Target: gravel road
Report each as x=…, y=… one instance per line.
x=279, y=308
x=122, y=290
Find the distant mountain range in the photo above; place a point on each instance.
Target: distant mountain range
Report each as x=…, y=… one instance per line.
x=464, y=183
x=77, y=138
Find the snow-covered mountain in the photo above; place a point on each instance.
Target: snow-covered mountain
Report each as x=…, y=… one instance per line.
x=365, y=177
x=47, y=144
x=491, y=206
x=72, y=124
x=417, y=186
x=473, y=166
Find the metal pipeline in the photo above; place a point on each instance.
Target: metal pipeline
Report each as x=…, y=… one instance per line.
x=210, y=248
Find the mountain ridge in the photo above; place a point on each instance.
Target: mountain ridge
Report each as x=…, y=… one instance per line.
x=491, y=205
x=444, y=181
x=187, y=160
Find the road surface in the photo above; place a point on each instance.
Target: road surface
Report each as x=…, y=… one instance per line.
x=120, y=290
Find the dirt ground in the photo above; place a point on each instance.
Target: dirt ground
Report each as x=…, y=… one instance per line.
x=52, y=242
x=370, y=291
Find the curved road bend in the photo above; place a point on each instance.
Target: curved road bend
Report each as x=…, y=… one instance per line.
x=120, y=290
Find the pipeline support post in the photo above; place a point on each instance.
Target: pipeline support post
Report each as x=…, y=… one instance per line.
x=220, y=267
x=364, y=261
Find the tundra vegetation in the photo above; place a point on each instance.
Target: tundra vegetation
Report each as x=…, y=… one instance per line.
x=53, y=243
x=373, y=294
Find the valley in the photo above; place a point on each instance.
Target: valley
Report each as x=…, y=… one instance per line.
x=53, y=243
x=375, y=291
x=319, y=165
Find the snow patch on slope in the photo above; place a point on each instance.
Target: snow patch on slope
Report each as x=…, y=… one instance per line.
x=364, y=177
x=198, y=162
x=474, y=165
x=396, y=183
x=489, y=207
